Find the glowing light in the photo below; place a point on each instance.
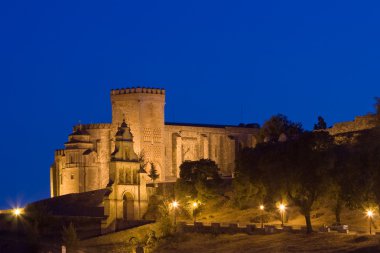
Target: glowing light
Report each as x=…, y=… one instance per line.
x=174, y=204
x=370, y=213
x=17, y=211
x=282, y=207
x=195, y=205
x=261, y=207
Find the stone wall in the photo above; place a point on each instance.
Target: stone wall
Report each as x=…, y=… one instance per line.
x=193, y=142
x=360, y=123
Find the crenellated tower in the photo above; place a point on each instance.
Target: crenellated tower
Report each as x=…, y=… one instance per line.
x=143, y=109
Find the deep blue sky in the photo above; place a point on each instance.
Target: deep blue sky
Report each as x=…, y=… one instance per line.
x=221, y=62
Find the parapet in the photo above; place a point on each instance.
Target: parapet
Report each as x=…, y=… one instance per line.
x=59, y=152
x=360, y=123
x=121, y=91
x=92, y=126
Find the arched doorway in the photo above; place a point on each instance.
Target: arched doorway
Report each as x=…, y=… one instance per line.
x=128, y=206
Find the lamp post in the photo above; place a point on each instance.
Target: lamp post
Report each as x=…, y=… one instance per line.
x=370, y=215
x=262, y=213
x=175, y=205
x=17, y=212
x=282, y=210
x=195, y=206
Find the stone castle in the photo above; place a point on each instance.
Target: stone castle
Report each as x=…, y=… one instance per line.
x=105, y=155
x=85, y=162
x=103, y=159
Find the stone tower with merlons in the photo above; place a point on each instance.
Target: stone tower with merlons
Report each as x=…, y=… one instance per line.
x=143, y=110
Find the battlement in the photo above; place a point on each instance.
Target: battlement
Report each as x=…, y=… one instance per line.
x=360, y=123
x=59, y=152
x=122, y=91
x=92, y=126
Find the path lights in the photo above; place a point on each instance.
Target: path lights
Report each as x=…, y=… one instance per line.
x=262, y=214
x=370, y=215
x=174, y=205
x=195, y=205
x=17, y=212
x=282, y=208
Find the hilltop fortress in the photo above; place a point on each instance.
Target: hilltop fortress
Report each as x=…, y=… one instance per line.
x=99, y=172
x=84, y=164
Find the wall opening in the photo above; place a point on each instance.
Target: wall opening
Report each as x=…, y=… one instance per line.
x=128, y=206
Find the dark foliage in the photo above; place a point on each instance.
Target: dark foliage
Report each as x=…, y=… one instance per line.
x=277, y=125
x=321, y=124
x=153, y=172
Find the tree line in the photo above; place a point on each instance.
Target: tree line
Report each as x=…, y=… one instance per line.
x=298, y=167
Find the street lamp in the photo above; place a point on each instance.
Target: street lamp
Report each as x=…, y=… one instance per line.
x=175, y=205
x=17, y=212
x=262, y=213
x=195, y=206
x=282, y=208
x=370, y=215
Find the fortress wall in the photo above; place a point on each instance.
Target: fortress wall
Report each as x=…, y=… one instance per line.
x=360, y=123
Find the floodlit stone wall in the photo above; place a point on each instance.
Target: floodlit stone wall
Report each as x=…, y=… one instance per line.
x=84, y=164
x=194, y=142
x=360, y=123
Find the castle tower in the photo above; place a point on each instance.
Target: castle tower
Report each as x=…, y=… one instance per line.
x=143, y=109
x=80, y=171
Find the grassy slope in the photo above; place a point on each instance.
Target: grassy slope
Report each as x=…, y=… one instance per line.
x=271, y=243
x=355, y=219
x=117, y=242
x=284, y=242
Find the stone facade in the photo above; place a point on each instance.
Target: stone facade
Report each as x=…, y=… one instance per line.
x=349, y=131
x=360, y=123
x=85, y=164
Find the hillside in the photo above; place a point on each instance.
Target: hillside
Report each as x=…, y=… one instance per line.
x=285, y=242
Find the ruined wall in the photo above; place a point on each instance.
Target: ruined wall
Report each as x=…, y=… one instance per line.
x=360, y=123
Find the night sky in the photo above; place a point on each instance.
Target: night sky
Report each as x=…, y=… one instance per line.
x=221, y=62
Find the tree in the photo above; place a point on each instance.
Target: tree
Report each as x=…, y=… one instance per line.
x=165, y=222
x=280, y=124
x=199, y=179
x=377, y=107
x=69, y=237
x=308, y=172
x=339, y=176
x=367, y=161
x=321, y=124
x=202, y=170
x=141, y=159
x=247, y=193
x=153, y=172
